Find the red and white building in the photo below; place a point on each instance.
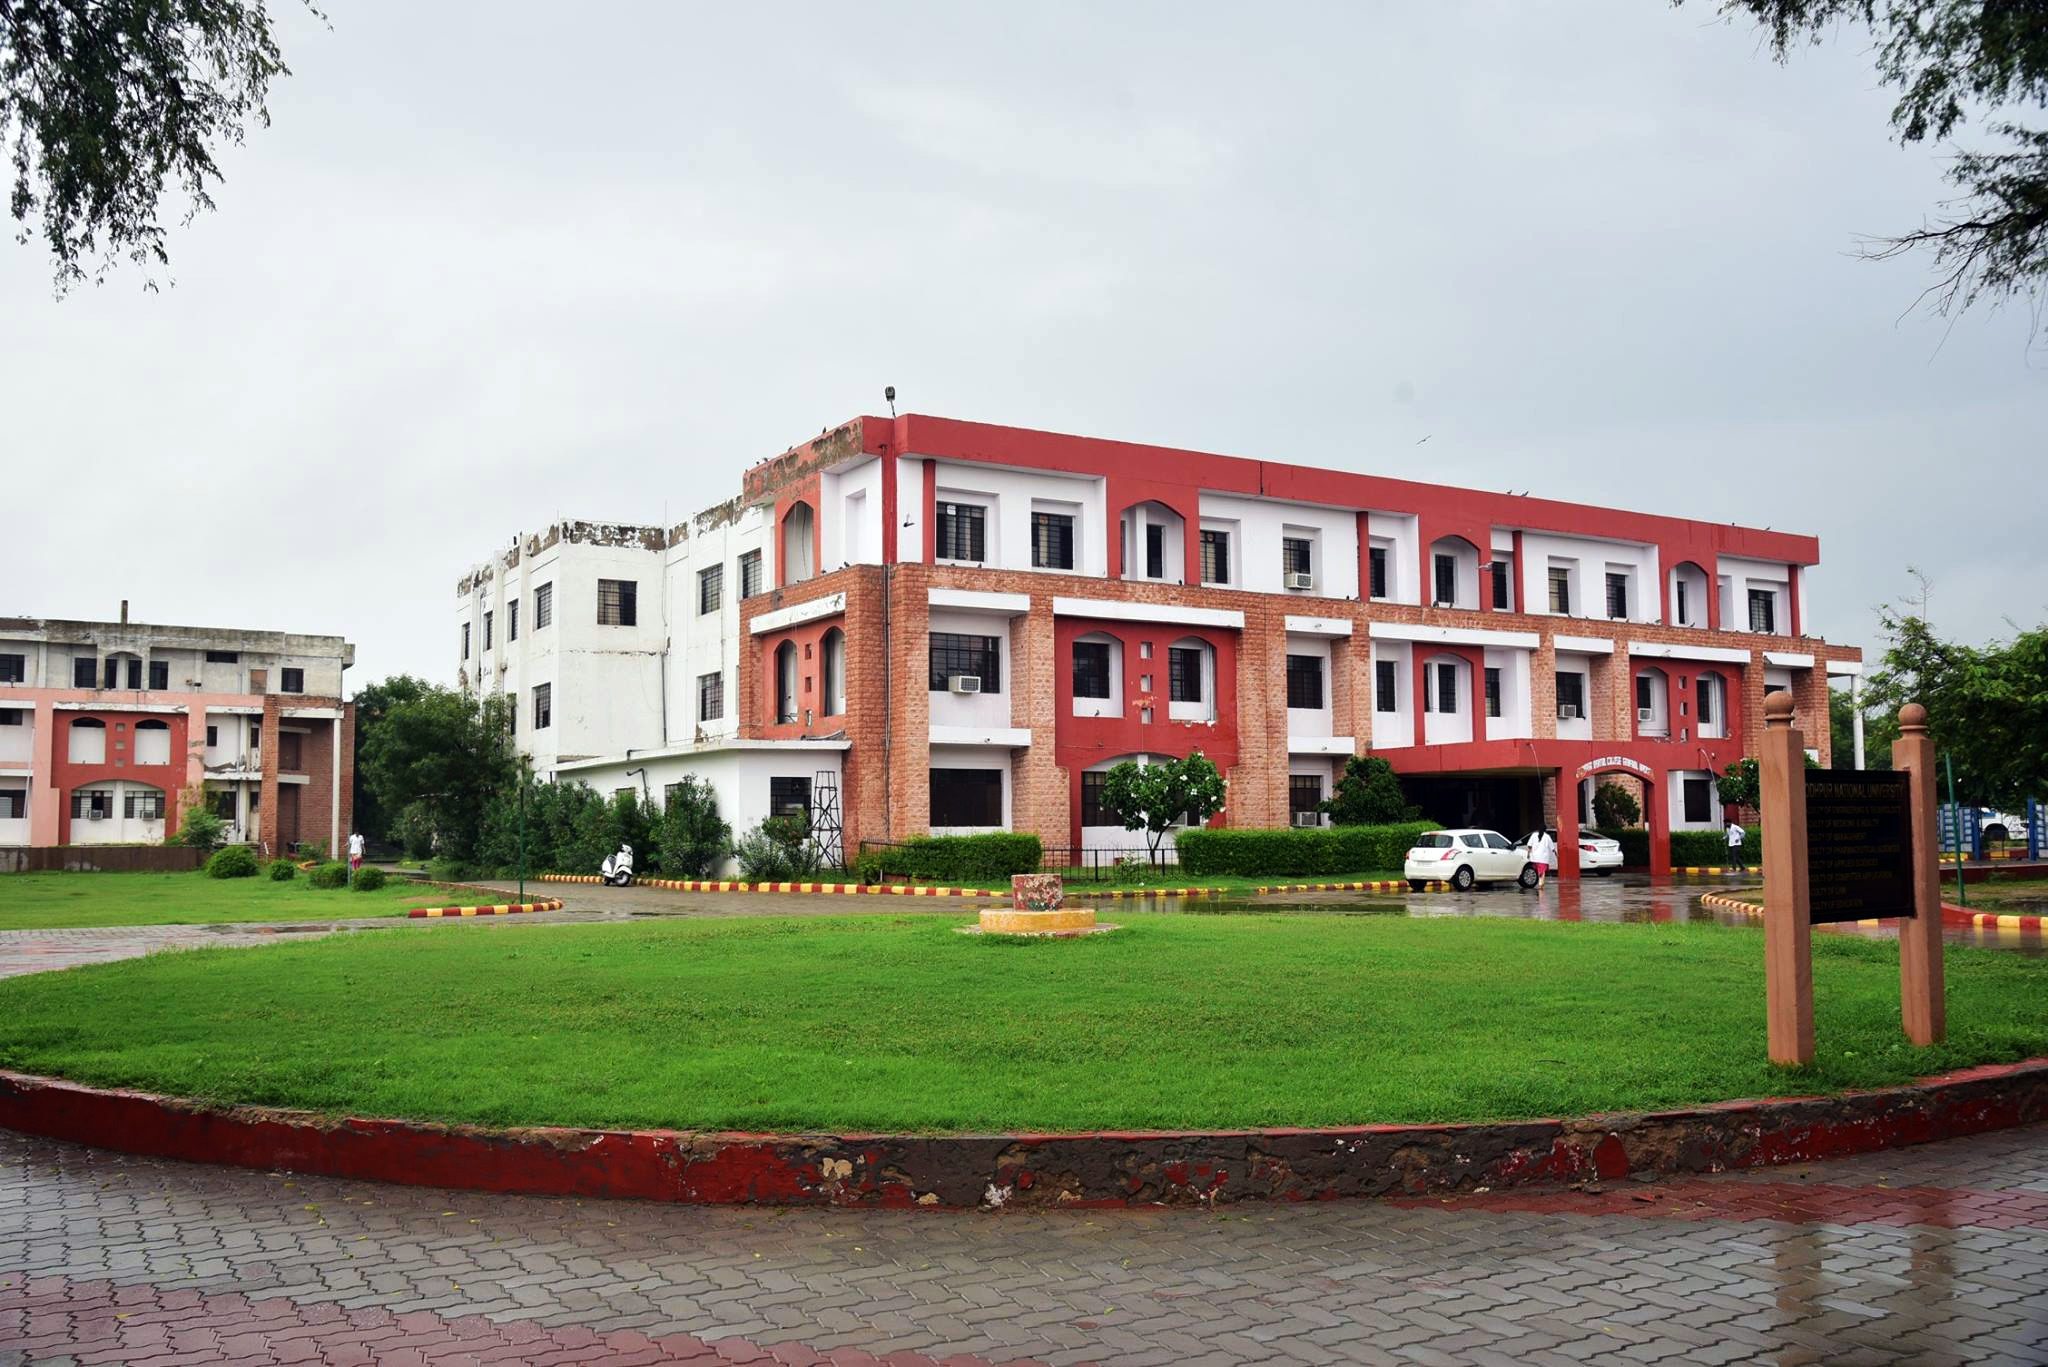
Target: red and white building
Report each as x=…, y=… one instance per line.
x=104, y=724
x=962, y=627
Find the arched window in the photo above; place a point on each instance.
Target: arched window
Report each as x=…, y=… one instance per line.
x=799, y=548
x=88, y=743
x=1191, y=680
x=1152, y=537
x=1453, y=573
x=1653, y=702
x=1098, y=675
x=832, y=673
x=785, y=682
x=1688, y=595
x=152, y=742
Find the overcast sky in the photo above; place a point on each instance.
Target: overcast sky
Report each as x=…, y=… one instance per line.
x=495, y=264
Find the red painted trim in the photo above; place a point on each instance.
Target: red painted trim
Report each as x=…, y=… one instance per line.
x=1793, y=611
x=931, y=512
x=1102, y=1168
x=892, y=499
x=808, y=640
x=117, y=762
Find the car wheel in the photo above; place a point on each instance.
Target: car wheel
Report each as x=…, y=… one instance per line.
x=1462, y=880
x=1528, y=876
x=1415, y=885
x=1603, y=872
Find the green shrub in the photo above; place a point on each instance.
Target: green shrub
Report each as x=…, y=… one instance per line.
x=1289, y=852
x=283, y=870
x=764, y=858
x=233, y=861
x=452, y=870
x=369, y=879
x=1615, y=806
x=329, y=876
x=978, y=860
x=1708, y=849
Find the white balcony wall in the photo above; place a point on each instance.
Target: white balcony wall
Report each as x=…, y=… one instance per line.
x=1305, y=721
x=1261, y=524
x=1455, y=726
x=990, y=709
x=1581, y=727
x=1396, y=729
x=1513, y=723
x=18, y=741
x=1398, y=533
x=709, y=643
x=1011, y=496
x=852, y=532
x=1113, y=705
x=1739, y=577
x=1589, y=561
x=974, y=757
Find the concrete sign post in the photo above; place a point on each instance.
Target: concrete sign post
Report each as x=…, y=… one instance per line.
x=1923, y=1003
x=1788, y=934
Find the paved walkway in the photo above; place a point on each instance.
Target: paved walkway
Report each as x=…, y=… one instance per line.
x=1931, y=1255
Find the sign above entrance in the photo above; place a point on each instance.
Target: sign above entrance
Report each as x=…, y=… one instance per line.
x=1634, y=766
x=1859, y=846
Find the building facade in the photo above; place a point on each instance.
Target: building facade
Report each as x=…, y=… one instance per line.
x=104, y=724
x=916, y=625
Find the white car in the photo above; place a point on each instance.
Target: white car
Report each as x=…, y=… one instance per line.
x=1462, y=858
x=1597, y=853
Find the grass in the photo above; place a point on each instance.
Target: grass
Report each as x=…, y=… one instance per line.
x=64, y=901
x=894, y=1022
x=2019, y=896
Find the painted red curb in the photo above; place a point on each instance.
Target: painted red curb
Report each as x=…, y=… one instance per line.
x=827, y=889
x=501, y=909
x=1097, y=1169
x=1963, y=916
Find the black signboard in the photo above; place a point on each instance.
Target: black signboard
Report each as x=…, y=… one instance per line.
x=1859, y=845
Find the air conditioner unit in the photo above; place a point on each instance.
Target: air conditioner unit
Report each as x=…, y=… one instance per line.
x=1646, y=715
x=1443, y=603
x=1308, y=818
x=1299, y=579
x=1568, y=712
x=964, y=683
x=95, y=816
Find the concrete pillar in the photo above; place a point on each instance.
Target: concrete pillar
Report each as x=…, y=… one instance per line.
x=1923, y=1002
x=1856, y=715
x=1788, y=934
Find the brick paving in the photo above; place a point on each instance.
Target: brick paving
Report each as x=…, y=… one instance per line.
x=1931, y=1255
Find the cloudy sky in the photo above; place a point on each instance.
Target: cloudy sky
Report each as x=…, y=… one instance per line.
x=495, y=264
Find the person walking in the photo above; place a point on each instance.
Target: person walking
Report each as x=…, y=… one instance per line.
x=1736, y=837
x=1542, y=853
x=355, y=852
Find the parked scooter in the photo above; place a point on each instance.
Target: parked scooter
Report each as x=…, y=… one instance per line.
x=618, y=869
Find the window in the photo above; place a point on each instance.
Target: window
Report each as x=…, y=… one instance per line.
x=1571, y=694
x=223, y=657
x=94, y=804
x=543, y=706
x=212, y=737
x=1092, y=783
x=953, y=654
x=1492, y=691
x=832, y=673
x=785, y=683
x=111, y=673
x=82, y=672
x=790, y=797
x=1446, y=580
x=618, y=602
x=1643, y=692
x=1305, y=681
x=967, y=797
x=465, y=640
x=10, y=716
x=1703, y=687
x=1684, y=609
x=290, y=751
x=750, y=574
x=1215, y=557
x=13, y=668
x=159, y=675
x=13, y=804
x=710, y=589
x=711, y=697
x=255, y=734
x=512, y=620
x=543, y=606
x=1091, y=669
x=1376, y=564
x=143, y=806
x=1155, y=552
x=1617, y=596
x=294, y=680
x=1763, y=611
x=962, y=532
x=1297, y=555
x=1560, y=591
x=135, y=673
x=1052, y=541
x=224, y=805
x=487, y=630
x=1304, y=793
x=1503, y=595
x=1183, y=674
x=1440, y=687
x=1699, y=802
x=1385, y=686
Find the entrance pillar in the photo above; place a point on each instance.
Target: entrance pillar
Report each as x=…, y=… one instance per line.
x=1657, y=817
x=1788, y=930
x=1923, y=1004
x=1567, y=826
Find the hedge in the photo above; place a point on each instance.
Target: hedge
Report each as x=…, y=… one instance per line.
x=368, y=879
x=1288, y=852
x=959, y=859
x=1635, y=843
x=329, y=876
x=1709, y=849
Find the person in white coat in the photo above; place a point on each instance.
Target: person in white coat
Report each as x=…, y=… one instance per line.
x=1543, y=854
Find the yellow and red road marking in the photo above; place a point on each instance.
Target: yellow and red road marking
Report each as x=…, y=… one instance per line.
x=502, y=909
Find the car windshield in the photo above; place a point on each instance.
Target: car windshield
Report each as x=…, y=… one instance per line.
x=1496, y=841
x=1437, y=841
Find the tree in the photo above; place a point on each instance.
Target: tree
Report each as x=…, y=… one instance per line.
x=1948, y=58
x=105, y=103
x=200, y=827
x=1987, y=706
x=1879, y=730
x=1157, y=797
x=690, y=837
x=438, y=758
x=1369, y=794
x=1615, y=806
x=1741, y=785
x=372, y=702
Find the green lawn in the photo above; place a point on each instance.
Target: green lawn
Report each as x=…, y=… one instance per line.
x=2016, y=896
x=62, y=901
x=894, y=1022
